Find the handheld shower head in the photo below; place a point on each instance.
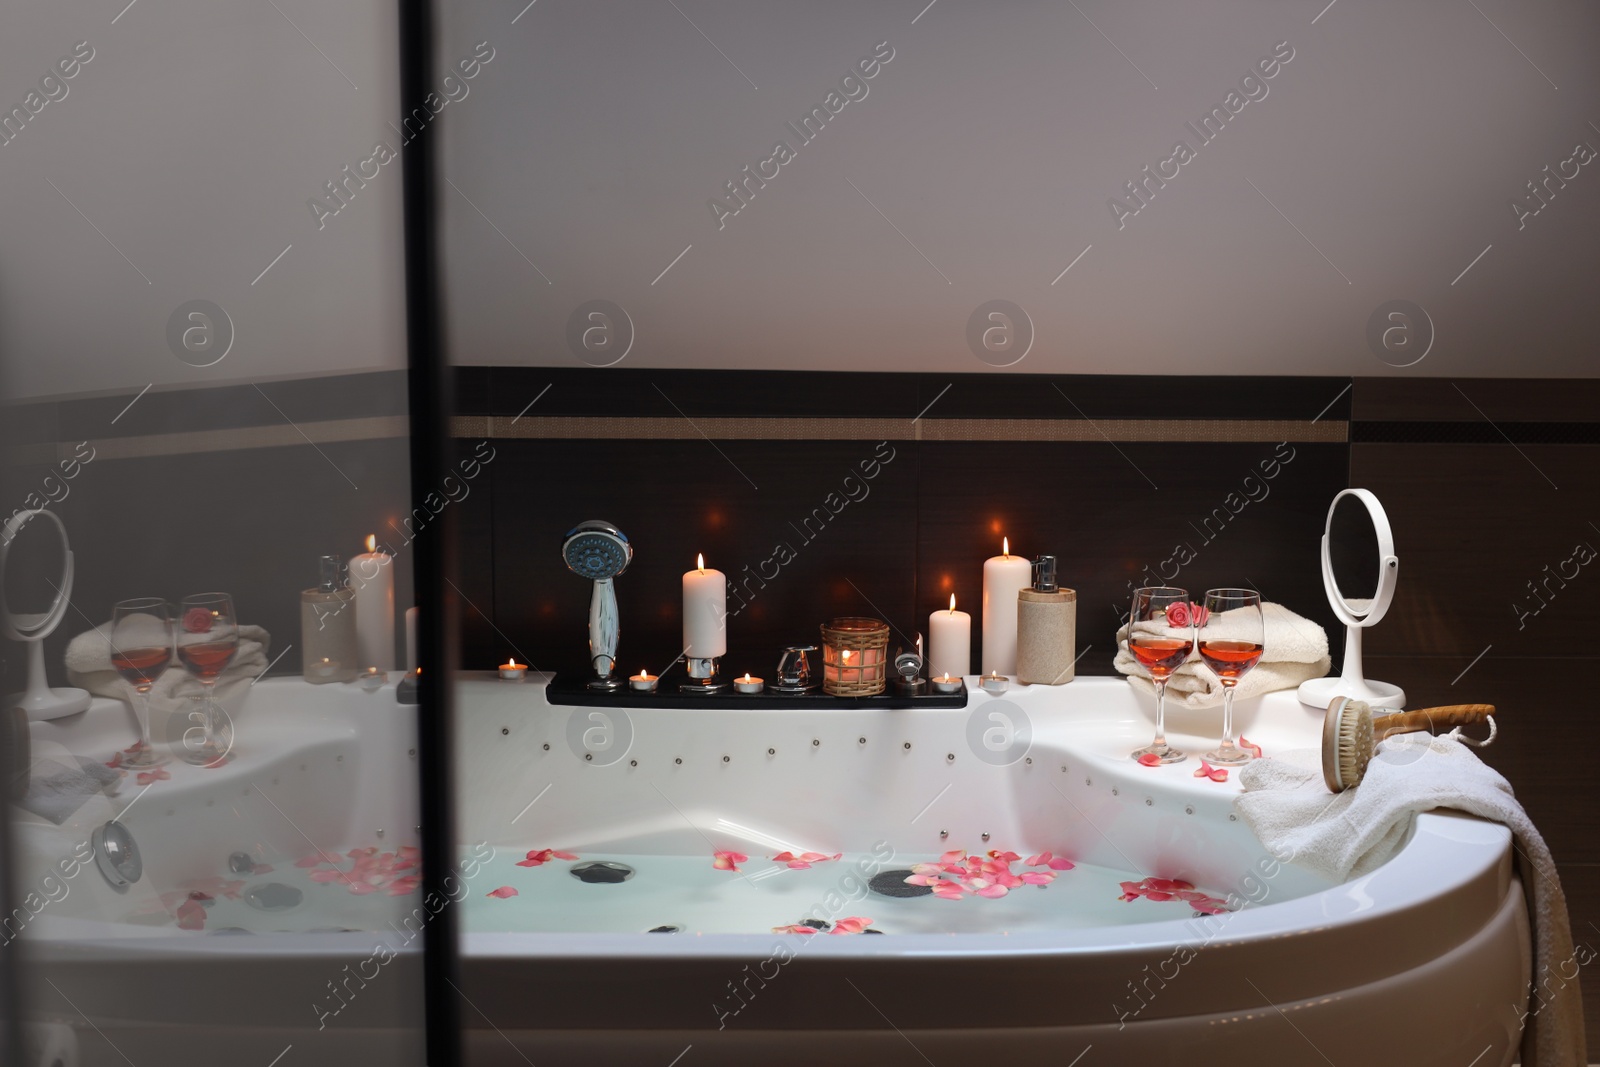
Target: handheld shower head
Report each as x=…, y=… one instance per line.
x=599, y=551
x=596, y=550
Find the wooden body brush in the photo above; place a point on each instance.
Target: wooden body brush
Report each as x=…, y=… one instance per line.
x=1350, y=732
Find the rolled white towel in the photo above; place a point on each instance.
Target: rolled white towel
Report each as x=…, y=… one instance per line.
x=1294, y=650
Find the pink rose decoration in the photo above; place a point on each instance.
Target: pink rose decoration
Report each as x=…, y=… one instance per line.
x=1216, y=774
x=1181, y=614
x=197, y=620
x=728, y=860
x=503, y=892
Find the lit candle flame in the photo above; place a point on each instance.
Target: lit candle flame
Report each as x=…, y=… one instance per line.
x=844, y=657
x=746, y=677
x=372, y=542
x=700, y=561
x=514, y=664
x=1005, y=546
x=952, y=603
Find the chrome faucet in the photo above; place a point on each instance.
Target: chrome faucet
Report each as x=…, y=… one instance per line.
x=794, y=670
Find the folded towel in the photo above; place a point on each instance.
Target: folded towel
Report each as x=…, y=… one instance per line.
x=1294, y=650
x=1288, y=806
x=56, y=790
x=88, y=660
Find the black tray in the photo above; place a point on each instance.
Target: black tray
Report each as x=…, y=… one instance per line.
x=575, y=692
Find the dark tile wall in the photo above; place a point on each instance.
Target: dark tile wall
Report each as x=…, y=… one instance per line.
x=1113, y=513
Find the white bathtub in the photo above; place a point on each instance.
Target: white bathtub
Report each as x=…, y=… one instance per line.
x=1423, y=962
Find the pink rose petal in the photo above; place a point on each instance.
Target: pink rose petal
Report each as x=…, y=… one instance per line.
x=1250, y=747
x=503, y=892
x=727, y=860
x=1216, y=774
x=1149, y=759
x=795, y=929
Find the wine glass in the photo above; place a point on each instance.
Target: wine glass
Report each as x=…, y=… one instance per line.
x=1160, y=642
x=1231, y=640
x=141, y=646
x=208, y=639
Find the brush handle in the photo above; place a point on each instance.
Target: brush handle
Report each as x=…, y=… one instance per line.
x=1406, y=722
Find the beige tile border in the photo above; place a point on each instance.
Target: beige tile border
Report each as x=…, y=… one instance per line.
x=1182, y=431
x=667, y=428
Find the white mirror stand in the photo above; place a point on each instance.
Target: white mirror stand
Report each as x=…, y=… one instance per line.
x=40, y=701
x=1357, y=614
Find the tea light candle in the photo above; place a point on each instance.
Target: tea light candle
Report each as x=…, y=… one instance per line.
x=995, y=683
x=946, y=683
x=644, y=680
x=748, y=684
x=950, y=641
x=513, y=671
x=372, y=679
x=1004, y=576
x=324, y=668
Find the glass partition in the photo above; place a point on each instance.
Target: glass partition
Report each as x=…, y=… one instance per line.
x=213, y=810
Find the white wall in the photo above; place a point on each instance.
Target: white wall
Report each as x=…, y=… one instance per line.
x=193, y=140
x=1394, y=141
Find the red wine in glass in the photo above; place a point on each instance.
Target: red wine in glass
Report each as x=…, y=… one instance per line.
x=208, y=660
x=1230, y=659
x=208, y=639
x=1231, y=643
x=140, y=667
x=139, y=644
x=1160, y=655
x=1160, y=647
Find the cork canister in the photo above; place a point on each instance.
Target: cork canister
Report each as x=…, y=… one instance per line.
x=1047, y=625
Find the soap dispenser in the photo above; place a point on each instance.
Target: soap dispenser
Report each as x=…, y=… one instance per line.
x=1047, y=622
x=328, y=626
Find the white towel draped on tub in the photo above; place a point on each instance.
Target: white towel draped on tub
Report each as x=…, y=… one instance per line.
x=1287, y=804
x=1295, y=650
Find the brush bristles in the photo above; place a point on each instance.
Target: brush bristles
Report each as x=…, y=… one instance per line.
x=1355, y=743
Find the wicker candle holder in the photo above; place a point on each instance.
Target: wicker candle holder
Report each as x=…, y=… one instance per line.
x=855, y=660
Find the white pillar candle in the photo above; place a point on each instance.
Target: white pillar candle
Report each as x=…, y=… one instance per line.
x=1004, y=576
x=705, y=607
x=949, y=642
x=411, y=639
x=373, y=582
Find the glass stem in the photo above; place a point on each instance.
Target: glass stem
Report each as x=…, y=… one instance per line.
x=142, y=702
x=209, y=710
x=1160, y=742
x=1227, y=718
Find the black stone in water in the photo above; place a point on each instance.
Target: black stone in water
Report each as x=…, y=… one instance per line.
x=815, y=924
x=870, y=930
x=273, y=896
x=664, y=929
x=601, y=872
x=893, y=884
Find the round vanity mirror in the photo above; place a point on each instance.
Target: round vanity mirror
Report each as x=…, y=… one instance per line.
x=35, y=591
x=1359, y=571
